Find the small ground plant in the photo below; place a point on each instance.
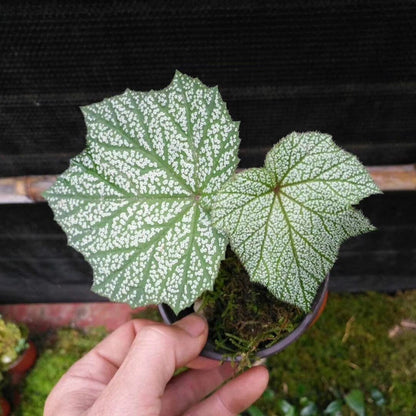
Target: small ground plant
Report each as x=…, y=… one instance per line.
x=352, y=403
x=154, y=200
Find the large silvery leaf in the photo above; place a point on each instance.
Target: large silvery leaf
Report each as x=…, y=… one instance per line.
x=287, y=220
x=136, y=202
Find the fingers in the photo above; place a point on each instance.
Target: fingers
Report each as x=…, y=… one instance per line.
x=192, y=387
x=87, y=378
x=103, y=361
x=127, y=373
x=236, y=396
x=156, y=352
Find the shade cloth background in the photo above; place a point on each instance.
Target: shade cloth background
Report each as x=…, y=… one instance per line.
x=343, y=67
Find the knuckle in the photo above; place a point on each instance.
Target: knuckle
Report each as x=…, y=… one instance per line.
x=223, y=404
x=156, y=335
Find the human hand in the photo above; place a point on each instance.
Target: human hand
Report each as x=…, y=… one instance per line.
x=131, y=373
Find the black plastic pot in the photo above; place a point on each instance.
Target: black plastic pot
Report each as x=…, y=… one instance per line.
x=210, y=351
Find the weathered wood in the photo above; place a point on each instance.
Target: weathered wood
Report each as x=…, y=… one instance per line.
x=393, y=178
x=24, y=189
x=29, y=189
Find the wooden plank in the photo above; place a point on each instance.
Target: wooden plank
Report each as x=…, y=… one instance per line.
x=395, y=177
x=29, y=189
x=24, y=189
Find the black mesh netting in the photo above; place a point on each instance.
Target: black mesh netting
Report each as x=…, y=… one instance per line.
x=340, y=66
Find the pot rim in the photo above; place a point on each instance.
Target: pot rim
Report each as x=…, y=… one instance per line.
x=31, y=349
x=210, y=351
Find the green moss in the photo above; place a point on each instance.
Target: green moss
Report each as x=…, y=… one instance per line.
x=243, y=316
x=350, y=348
x=61, y=351
x=151, y=313
x=327, y=362
x=48, y=370
x=12, y=342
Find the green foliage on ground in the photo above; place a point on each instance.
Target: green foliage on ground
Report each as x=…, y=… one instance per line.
x=350, y=348
x=59, y=353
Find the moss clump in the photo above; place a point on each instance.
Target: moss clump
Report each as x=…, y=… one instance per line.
x=12, y=343
x=350, y=348
x=243, y=316
x=61, y=351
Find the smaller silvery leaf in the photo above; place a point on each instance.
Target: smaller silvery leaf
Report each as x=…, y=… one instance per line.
x=286, y=221
x=136, y=203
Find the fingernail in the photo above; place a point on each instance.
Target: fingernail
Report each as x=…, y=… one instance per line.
x=193, y=324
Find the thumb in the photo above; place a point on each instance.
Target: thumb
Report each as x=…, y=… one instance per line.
x=157, y=351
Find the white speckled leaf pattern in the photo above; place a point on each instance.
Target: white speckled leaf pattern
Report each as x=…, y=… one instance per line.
x=136, y=202
x=286, y=221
